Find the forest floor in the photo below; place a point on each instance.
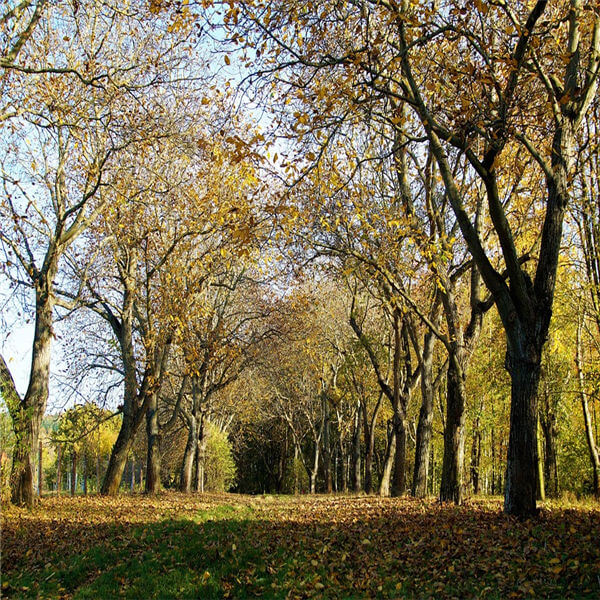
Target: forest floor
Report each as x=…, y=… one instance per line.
x=230, y=546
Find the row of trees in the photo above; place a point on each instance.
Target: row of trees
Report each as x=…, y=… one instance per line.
x=426, y=198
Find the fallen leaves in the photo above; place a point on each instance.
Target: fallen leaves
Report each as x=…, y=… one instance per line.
x=227, y=546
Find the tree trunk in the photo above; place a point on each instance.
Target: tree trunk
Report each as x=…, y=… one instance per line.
x=98, y=471
x=589, y=431
x=200, y=456
x=549, y=431
x=153, y=455
x=27, y=414
x=118, y=456
x=476, y=457
x=85, y=475
x=296, y=459
x=399, y=474
x=58, y=470
x=369, y=440
x=185, y=477
x=541, y=486
x=326, y=445
x=40, y=470
x=73, y=472
x=315, y=469
x=356, y=478
x=424, y=430
x=522, y=458
x=388, y=462
x=452, y=486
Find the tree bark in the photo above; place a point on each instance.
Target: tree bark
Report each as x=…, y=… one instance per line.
x=40, y=470
x=185, y=477
x=119, y=454
x=73, y=472
x=388, y=462
x=520, y=490
x=85, y=475
x=452, y=486
x=369, y=439
x=58, y=470
x=476, y=457
x=326, y=444
x=589, y=431
x=425, y=423
x=153, y=454
x=356, y=471
x=200, y=455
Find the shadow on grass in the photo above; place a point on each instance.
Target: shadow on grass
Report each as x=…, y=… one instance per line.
x=417, y=551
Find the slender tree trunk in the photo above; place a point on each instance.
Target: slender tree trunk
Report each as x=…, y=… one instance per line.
x=326, y=445
x=40, y=470
x=589, y=431
x=548, y=425
x=200, y=456
x=73, y=472
x=315, y=469
x=452, y=486
x=476, y=457
x=541, y=491
x=85, y=475
x=185, y=477
x=388, y=462
x=98, y=471
x=424, y=430
x=58, y=470
x=369, y=440
x=153, y=455
x=356, y=478
x=296, y=459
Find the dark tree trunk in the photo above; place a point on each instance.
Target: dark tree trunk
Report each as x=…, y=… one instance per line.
x=40, y=469
x=476, y=457
x=153, y=456
x=73, y=472
x=200, y=455
x=452, y=486
x=58, y=470
x=424, y=429
x=356, y=470
x=326, y=445
x=550, y=432
x=399, y=474
x=85, y=475
x=522, y=460
x=369, y=439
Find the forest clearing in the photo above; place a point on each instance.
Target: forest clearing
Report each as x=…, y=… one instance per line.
x=234, y=546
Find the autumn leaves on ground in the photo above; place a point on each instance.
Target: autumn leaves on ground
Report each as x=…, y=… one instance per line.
x=215, y=546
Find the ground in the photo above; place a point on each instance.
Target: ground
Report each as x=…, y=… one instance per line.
x=230, y=546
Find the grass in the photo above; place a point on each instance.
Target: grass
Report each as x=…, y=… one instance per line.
x=220, y=546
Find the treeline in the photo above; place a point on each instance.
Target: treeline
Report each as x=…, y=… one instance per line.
x=372, y=260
